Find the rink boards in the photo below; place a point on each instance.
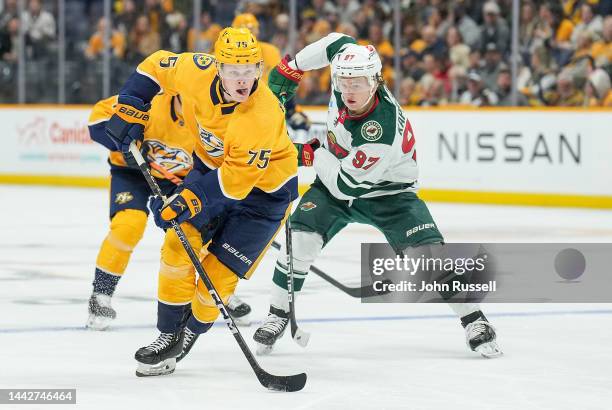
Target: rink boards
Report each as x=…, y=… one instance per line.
x=556, y=157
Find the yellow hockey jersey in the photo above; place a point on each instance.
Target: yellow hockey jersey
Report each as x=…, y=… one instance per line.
x=169, y=143
x=246, y=142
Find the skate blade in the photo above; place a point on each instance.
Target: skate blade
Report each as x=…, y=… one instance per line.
x=98, y=322
x=489, y=350
x=160, y=369
x=263, y=350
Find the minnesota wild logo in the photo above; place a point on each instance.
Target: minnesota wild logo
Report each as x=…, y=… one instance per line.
x=307, y=206
x=371, y=131
x=123, y=198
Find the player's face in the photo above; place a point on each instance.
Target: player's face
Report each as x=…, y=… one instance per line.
x=356, y=91
x=238, y=79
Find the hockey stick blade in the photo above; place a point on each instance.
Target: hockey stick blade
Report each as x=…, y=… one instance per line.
x=300, y=336
x=281, y=383
x=357, y=292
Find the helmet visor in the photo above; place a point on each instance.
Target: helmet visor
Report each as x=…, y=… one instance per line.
x=352, y=84
x=240, y=71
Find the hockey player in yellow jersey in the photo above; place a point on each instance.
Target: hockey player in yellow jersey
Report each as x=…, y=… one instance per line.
x=271, y=54
x=167, y=147
x=238, y=193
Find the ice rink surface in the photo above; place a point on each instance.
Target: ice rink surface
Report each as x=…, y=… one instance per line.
x=360, y=356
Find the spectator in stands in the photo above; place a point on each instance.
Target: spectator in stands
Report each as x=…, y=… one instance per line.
x=9, y=41
x=477, y=94
x=280, y=39
x=458, y=52
x=504, y=88
x=429, y=42
x=208, y=34
x=323, y=7
x=39, y=26
x=567, y=94
x=143, y=41
x=601, y=51
x=410, y=65
x=347, y=9
x=590, y=22
x=8, y=13
x=126, y=16
x=175, y=38
x=537, y=81
x=527, y=26
x=470, y=32
x=95, y=46
x=378, y=40
x=457, y=75
x=491, y=67
x=553, y=27
x=408, y=92
x=434, y=94
x=495, y=30
x=597, y=90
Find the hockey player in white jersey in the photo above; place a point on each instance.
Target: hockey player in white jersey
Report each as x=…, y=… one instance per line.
x=366, y=173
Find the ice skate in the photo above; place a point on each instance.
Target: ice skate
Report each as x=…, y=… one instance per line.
x=271, y=330
x=239, y=311
x=159, y=358
x=189, y=339
x=101, y=313
x=480, y=337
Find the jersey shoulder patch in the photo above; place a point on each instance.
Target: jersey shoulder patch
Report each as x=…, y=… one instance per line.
x=203, y=61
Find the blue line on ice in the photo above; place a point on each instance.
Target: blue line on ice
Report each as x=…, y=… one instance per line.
x=327, y=320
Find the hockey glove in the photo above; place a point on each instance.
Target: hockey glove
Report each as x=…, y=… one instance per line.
x=306, y=153
x=283, y=80
x=128, y=122
x=181, y=206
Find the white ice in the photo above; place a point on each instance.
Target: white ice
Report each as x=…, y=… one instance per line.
x=360, y=356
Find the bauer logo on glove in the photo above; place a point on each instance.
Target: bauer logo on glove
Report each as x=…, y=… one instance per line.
x=181, y=207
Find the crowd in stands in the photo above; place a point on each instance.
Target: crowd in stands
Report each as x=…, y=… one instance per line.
x=451, y=52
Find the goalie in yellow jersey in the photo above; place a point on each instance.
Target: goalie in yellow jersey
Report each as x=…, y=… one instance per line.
x=238, y=193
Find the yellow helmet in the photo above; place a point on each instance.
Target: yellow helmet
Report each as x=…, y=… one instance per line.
x=237, y=46
x=247, y=20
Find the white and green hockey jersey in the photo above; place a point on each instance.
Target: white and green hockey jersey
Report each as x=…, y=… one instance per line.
x=366, y=156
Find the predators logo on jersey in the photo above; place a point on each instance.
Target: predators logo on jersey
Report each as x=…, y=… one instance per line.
x=172, y=159
x=212, y=145
x=203, y=61
x=123, y=198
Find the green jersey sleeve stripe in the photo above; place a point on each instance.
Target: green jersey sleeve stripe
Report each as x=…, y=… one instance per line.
x=352, y=180
x=337, y=45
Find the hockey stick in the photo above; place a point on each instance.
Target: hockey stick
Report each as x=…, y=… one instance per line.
x=298, y=334
x=359, y=292
x=270, y=381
